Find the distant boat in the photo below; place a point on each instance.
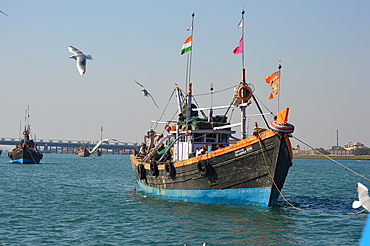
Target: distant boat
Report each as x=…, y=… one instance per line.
x=97, y=152
x=83, y=151
x=25, y=151
x=198, y=159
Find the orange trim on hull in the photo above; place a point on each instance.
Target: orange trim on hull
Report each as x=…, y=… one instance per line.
x=289, y=146
x=240, y=144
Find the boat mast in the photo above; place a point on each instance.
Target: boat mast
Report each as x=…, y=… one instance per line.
x=243, y=109
x=188, y=72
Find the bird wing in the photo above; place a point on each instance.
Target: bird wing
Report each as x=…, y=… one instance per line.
x=356, y=204
x=75, y=51
x=153, y=99
x=81, y=65
x=137, y=82
x=363, y=196
x=363, y=192
x=3, y=13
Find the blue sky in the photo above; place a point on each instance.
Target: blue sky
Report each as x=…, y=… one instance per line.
x=323, y=45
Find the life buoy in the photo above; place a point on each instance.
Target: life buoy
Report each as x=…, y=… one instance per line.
x=203, y=168
x=244, y=93
x=288, y=128
x=153, y=168
x=170, y=169
x=141, y=171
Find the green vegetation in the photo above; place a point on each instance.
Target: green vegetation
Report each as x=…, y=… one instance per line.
x=361, y=151
x=323, y=151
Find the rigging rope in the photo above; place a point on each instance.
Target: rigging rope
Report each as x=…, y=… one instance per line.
x=164, y=110
x=213, y=71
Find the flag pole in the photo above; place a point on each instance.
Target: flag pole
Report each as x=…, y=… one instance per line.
x=243, y=109
x=244, y=72
x=191, y=52
x=188, y=83
x=279, y=67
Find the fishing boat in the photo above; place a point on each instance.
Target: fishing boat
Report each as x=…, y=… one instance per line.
x=97, y=152
x=25, y=151
x=83, y=151
x=199, y=159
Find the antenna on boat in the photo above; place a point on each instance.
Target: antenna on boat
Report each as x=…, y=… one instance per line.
x=210, y=117
x=243, y=65
x=278, y=101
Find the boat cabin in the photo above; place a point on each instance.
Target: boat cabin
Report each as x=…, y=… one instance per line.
x=197, y=136
x=196, y=142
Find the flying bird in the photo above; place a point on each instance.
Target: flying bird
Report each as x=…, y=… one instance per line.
x=146, y=93
x=363, y=196
x=81, y=59
x=3, y=13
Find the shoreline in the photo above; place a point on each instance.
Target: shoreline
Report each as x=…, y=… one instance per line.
x=337, y=157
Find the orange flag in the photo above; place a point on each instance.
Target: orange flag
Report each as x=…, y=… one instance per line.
x=273, y=80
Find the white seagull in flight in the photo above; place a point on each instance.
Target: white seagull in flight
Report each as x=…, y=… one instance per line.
x=81, y=59
x=146, y=93
x=363, y=197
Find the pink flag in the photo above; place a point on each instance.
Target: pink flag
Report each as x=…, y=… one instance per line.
x=239, y=49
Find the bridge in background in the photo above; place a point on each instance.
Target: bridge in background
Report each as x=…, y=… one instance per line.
x=113, y=146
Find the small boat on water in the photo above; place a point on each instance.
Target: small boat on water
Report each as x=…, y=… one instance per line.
x=83, y=151
x=199, y=159
x=97, y=152
x=25, y=151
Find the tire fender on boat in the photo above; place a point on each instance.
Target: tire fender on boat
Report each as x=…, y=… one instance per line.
x=203, y=168
x=141, y=171
x=288, y=128
x=170, y=169
x=153, y=168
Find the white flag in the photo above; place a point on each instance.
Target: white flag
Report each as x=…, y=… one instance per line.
x=240, y=23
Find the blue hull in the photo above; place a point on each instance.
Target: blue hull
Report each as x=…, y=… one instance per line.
x=242, y=173
x=247, y=196
x=22, y=161
x=365, y=238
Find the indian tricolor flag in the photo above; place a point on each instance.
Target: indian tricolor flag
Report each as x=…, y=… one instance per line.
x=187, y=45
x=249, y=148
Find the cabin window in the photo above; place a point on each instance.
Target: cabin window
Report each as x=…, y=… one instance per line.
x=211, y=138
x=223, y=138
x=198, y=138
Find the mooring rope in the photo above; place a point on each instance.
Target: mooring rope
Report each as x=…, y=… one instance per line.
x=328, y=157
x=272, y=178
x=281, y=194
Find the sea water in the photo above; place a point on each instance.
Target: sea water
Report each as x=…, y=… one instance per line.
x=69, y=200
